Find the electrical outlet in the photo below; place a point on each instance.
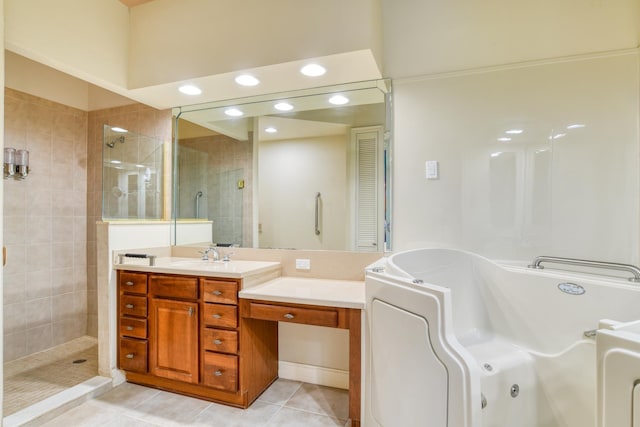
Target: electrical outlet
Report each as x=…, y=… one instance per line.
x=303, y=264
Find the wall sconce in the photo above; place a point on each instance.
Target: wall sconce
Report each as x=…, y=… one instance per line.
x=16, y=163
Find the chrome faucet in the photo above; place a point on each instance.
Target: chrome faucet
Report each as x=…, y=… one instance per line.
x=210, y=250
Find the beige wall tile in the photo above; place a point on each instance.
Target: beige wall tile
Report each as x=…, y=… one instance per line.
x=39, y=338
x=15, y=345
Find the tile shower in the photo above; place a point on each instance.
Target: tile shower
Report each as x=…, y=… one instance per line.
x=49, y=226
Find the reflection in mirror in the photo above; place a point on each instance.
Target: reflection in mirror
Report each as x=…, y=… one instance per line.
x=131, y=175
x=303, y=170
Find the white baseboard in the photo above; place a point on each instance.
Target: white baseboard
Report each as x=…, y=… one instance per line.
x=314, y=374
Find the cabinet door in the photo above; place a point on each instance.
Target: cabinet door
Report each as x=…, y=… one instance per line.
x=173, y=339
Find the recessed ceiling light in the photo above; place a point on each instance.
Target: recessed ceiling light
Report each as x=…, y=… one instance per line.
x=116, y=162
x=338, y=100
x=121, y=130
x=247, y=80
x=558, y=135
x=283, y=106
x=271, y=129
x=139, y=166
x=514, y=131
x=313, y=70
x=233, y=112
x=496, y=154
x=504, y=139
x=190, y=90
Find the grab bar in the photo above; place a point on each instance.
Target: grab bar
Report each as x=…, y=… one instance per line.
x=198, y=195
x=586, y=263
x=317, y=214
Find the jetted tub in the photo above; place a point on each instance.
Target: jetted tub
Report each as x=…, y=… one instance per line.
x=456, y=340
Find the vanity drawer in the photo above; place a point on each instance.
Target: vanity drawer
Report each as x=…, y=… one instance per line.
x=295, y=314
x=131, y=327
x=173, y=287
x=131, y=305
x=134, y=283
x=220, y=315
x=220, y=371
x=220, y=292
x=220, y=340
x=133, y=355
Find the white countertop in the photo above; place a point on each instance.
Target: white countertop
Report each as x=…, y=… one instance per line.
x=175, y=265
x=297, y=290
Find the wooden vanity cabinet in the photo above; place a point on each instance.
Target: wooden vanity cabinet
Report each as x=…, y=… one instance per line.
x=173, y=327
x=132, y=319
x=193, y=341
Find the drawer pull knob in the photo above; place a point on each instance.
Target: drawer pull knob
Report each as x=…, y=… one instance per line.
x=289, y=316
x=217, y=293
x=129, y=305
x=218, y=373
x=217, y=316
x=217, y=342
x=129, y=283
x=129, y=356
x=129, y=328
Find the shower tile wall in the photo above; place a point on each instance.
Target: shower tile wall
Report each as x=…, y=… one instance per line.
x=136, y=118
x=229, y=161
x=45, y=280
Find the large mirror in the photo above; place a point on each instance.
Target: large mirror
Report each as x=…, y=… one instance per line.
x=301, y=170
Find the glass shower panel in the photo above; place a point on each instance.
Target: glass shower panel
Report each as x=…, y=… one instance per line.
x=132, y=170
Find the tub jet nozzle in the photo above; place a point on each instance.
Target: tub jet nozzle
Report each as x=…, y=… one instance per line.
x=515, y=390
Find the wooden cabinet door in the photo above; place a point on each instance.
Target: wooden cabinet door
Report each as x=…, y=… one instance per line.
x=173, y=339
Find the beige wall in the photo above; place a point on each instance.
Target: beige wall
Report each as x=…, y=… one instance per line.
x=89, y=40
x=45, y=226
x=453, y=100
x=236, y=32
x=428, y=37
x=137, y=118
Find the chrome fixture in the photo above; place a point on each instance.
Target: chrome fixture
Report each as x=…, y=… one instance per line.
x=587, y=263
x=151, y=258
x=198, y=196
x=227, y=257
x=16, y=163
x=318, y=206
x=112, y=143
x=590, y=333
x=210, y=250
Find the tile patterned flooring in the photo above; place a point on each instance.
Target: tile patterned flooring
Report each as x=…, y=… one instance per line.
x=285, y=404
x=34, y=378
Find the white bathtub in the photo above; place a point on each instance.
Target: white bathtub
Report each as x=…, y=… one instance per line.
x=474, y=333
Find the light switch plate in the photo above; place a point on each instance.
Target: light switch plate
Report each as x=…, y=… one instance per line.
x=303, y=264
x=432, y=171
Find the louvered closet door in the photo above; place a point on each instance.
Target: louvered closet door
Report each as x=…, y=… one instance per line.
x=367, y=190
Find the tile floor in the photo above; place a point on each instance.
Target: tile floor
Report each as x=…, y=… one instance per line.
x=33, y=378
x=285, y=404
